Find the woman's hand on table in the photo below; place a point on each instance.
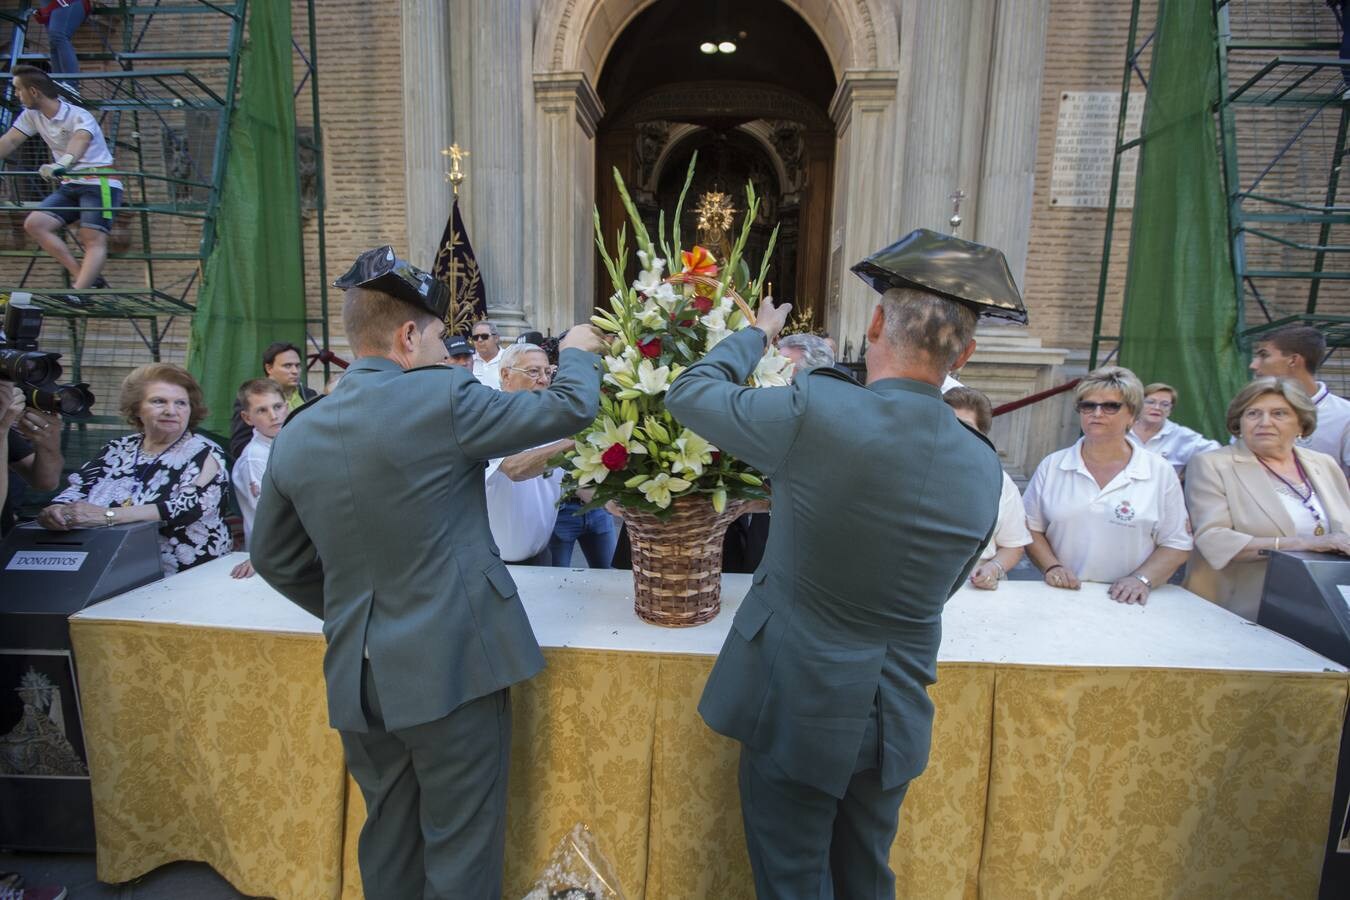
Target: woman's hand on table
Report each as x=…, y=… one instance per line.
x=1336, y=542
x=1129, y=590
x=78, y=514
x=1060, y=577
x=243, y=570
x=986, y=576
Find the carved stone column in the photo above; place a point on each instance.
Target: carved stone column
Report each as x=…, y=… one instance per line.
x=562, y=273
x=426, y=125
x=1009, y=170
x=863, y=110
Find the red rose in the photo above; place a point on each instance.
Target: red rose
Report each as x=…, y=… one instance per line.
x=683, y=323
x=716, y=457
x=615, y=458
x=703, y=305
x=650, y=348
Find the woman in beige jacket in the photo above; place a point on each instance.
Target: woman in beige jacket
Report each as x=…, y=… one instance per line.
x=1262, y=494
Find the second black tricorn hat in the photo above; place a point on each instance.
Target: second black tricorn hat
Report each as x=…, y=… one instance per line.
x=381, y=270
x=950, y=267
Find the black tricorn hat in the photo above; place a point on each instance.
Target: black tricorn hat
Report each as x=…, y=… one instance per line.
x=941, y=264
x=381, y=270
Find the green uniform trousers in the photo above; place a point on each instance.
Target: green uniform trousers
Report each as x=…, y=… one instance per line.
x=435, y=800
x=805, y=844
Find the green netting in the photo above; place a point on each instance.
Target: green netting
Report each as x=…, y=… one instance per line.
x=253, y=290
x=1180, y=320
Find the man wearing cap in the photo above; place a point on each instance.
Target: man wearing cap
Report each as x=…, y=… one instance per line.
x=424, y=628
x=460, y=353
x=823, y=677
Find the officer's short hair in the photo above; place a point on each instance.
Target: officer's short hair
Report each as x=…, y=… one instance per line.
x=370, y=317
x=815, y=352
x=921, y=322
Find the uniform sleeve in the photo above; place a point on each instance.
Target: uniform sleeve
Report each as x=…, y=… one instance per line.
x=488, y=423
x=1011, y=530
x=1211, y=517
x=282, y=552
x=1032, y=499
x=1173, y=528
x=755, y=425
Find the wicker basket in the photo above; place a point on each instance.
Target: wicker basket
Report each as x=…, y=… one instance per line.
x=677, y=562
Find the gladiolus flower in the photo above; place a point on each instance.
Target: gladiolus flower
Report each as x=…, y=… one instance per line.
x=615, y=458
x=699, y=261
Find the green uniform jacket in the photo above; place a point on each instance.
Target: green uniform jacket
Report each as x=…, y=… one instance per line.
x=882, y=500
x=372, y=518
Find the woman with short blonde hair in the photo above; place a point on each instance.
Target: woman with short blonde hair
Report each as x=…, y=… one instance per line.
x=1261, y=494
x=1105, y=509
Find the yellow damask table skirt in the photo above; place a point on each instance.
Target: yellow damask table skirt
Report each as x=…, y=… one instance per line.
x=210, y=743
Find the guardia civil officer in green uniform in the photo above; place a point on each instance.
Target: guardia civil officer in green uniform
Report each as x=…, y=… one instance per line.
x=372, y=518
x=882, y=499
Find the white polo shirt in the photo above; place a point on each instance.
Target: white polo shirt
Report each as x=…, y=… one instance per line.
x=488, y=372
x=247, y=476
x=1176, y=444
x=521, y=514
x=1102, y=534
x=1332, y=436
x=56, y=133
x=1011, y=530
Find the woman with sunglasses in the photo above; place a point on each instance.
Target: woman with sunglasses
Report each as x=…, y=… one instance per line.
x=1261, y=494
x=1105, y=509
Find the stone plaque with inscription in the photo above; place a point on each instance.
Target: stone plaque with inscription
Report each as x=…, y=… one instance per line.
x=1085, y=141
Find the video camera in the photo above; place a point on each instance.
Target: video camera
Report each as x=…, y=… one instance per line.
x=34, y=371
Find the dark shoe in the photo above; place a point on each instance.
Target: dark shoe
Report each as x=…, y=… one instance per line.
x=101, y=284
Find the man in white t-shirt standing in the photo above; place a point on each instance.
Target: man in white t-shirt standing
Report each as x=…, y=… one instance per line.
x=487, y=358
x=1295, y=352
x=522, y=490
x=80, y=161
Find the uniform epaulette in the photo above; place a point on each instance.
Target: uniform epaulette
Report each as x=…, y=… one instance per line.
x=832, y=372
x=301, y=408
x=977, y=433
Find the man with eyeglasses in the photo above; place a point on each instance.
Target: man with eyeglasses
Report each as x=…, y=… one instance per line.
x=522, y=490
x=487, y=359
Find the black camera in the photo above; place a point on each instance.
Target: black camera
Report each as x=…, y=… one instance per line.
x=34, y=371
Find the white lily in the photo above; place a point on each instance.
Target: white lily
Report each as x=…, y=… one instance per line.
x=773, y=370
x=653, y=316
x=622, y=367
x=651, y=379
x=611, y=433
x=692, y=453
x=588, y=466
x=658, y=490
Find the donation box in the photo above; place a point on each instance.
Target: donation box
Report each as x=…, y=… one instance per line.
x=1307, y=598
x=45, y=576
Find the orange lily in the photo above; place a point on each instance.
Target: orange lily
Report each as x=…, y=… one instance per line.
x=699, y=261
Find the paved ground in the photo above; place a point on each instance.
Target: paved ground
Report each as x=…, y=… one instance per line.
x=176, y=881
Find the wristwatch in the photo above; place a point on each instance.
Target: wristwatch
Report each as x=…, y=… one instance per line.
x=1144, y=578
x=108, y=517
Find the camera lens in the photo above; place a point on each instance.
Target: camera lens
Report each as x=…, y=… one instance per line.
x=30, y=368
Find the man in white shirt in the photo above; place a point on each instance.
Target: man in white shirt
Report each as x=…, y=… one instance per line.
x=263, y=408
x=487, y=358
x=80, y=161
x=1295, y=352
x=522, y=490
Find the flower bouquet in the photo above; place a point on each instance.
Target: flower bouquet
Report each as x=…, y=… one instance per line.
x=677, y=490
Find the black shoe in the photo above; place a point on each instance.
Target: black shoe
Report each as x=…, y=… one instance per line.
x=100, y=284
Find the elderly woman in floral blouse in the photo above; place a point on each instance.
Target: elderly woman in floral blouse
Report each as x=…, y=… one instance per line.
x=162, y=473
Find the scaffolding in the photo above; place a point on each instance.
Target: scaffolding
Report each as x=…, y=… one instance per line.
x=162, y=80
x=1282, y=118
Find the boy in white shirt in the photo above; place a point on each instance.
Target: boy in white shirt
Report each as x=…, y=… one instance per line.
x=262, y=407
x=81, y=159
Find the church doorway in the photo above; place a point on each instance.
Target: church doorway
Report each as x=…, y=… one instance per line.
x=746, y=87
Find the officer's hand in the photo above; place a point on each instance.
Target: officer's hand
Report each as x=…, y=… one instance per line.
x=583, y=337
x=770, y=319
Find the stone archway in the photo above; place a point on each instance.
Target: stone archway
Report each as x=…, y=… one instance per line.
x=573, y=38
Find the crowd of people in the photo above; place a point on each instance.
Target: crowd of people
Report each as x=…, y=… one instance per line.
x=1109, y=508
